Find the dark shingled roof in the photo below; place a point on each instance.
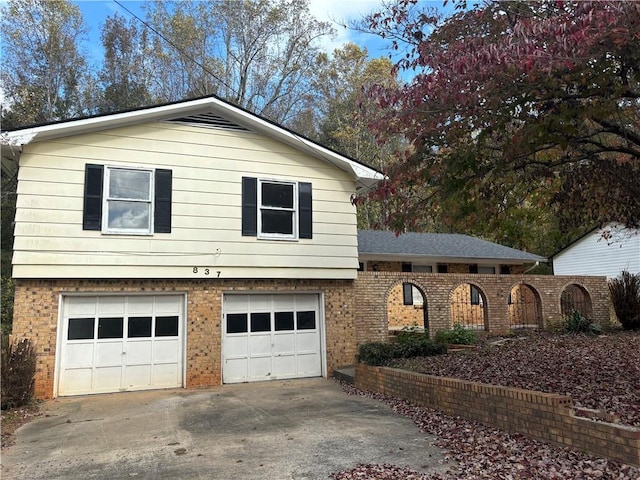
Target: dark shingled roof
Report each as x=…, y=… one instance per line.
x=452, y=245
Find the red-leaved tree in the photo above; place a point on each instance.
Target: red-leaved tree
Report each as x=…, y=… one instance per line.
x=514, y=105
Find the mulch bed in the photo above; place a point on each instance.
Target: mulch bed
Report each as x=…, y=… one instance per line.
x=598, y=372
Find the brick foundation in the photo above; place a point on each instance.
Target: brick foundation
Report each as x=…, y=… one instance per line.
x=544, y=416
x=37, y=302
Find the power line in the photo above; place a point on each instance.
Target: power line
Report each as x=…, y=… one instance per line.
x=189, y=57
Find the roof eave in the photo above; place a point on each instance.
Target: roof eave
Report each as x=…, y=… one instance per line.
x=364, y=176
x=454, y=259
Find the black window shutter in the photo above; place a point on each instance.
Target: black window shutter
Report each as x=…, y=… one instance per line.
x=92, y=208
x=406, y=267
x=305, y=223
x=407, y=294
x=249, y=206
x=442, y=268
x=162, y=206
x=473, y=268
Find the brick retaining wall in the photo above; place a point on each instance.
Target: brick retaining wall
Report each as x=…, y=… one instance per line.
x=544, y=416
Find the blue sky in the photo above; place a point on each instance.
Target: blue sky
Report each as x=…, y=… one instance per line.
x=95, y=13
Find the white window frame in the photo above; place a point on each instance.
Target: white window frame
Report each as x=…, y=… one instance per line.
x=294, y=210
x=106, y=198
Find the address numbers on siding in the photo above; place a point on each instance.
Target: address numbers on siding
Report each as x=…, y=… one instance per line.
x=206, y=271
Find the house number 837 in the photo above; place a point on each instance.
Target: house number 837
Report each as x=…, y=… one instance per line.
x=206, y=271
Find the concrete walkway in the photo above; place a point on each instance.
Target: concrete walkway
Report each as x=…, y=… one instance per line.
x=298, y=429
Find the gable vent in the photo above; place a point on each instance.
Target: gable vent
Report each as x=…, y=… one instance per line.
x=210, y=120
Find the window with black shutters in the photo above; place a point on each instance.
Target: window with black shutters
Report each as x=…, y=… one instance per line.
x=122, y=200
x=278, y=210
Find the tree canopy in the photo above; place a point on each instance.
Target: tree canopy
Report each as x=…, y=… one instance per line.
x=43, y=71
x=514, y=106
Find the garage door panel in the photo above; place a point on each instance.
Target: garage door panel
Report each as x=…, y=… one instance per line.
x=168, y=304
x=284, y=302
x=239, y=345
x=282, y=338
x=138, y=376
x=111, y=305
x=260, y=345
x=259, y=303
x=284, y=343
x=80, y=306
x=166, y=375
x=109, y=353
x=236, y=303
x=306, y=302
x=108, y=378
x=166, y=350
x=78, y=379
x=79, y=355
x=140, y=305
x=284, y=365
x=122, y=342
x=308, y=364
x=139, y=352
x=260, y=367
x=236, y=369
x=307, y=341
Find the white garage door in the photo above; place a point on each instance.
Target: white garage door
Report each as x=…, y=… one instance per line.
x=119, y=343
x=268, y=337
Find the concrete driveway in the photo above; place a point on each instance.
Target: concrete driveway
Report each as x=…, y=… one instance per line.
x=298, y=429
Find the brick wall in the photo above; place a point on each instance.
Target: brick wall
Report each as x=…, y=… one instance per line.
x=36, y=317
x=544, y=416
x=401, y=315
x=373, y=289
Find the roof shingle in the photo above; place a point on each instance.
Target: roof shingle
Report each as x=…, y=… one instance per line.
x=453, y=245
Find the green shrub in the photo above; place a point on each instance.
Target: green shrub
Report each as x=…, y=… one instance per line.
x=376, y=353
x=625, y=295
x=578, y=323
x=18, y=369
x=7, y=289
x=458, y=335
x=410, y=344
x=405, y=345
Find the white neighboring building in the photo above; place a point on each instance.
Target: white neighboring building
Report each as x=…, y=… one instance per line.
x=594, y=254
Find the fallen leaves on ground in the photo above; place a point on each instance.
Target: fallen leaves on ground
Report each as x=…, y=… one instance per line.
x=483, y=452
x=598, y=372
x=14, y=418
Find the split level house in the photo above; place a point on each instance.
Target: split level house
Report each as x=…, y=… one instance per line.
x=187, y=244
x=193, y=244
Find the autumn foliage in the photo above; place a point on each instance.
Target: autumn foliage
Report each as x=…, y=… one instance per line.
x=513, y=105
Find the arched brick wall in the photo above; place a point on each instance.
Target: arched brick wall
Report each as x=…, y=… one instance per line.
x=372, y=290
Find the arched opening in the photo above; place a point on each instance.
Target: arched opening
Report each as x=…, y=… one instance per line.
x=407, y=308
x=468, y=307
x=525, y=307
x=575, y=297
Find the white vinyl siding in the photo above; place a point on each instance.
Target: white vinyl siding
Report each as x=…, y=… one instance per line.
x=592, y=255
x=207, y=166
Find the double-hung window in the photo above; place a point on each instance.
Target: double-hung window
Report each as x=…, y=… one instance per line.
x=128, y=201
x=276, y=209
x=278, y=205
